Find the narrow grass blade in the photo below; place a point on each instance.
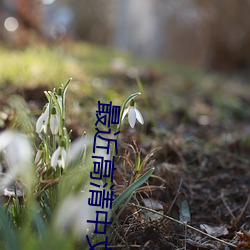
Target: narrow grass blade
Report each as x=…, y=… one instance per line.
x=122, y=208
x=128, y=191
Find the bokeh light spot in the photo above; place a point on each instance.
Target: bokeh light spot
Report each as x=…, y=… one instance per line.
x=11, y=24
x=47, y=2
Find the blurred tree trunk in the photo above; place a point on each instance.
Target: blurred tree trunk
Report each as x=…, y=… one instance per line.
x=28, y=13
x=92, y=21
x=229, y=34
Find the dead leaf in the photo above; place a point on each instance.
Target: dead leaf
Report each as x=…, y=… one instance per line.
x=155, y=205
x=215, y=231
x=245, y=236
x=152, y=204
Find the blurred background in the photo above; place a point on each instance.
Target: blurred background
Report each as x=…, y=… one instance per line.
x=212, y=34
x=186, y=52
x=193, y=60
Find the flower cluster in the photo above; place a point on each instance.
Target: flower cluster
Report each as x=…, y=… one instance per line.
x=51, y=115
x=56, y=152
x=52, y=151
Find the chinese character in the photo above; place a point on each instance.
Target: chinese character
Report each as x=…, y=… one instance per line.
x=106, y=110
x=105, y=114
x=105, y=222
x=100, y=243
x=115, y=114
x=103, y=170
x=98, y=197
x=105, y=139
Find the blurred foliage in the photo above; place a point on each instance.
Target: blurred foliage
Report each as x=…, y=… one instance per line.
x=37, y=65
x=211, y=34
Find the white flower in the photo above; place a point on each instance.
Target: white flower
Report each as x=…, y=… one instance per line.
x=42, y=122
x=59, y=157
x=133, y=114
x=17, y=152
x=54, y=121
x=73, y=214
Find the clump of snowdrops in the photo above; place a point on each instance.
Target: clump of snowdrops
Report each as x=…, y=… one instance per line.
x=46, y=177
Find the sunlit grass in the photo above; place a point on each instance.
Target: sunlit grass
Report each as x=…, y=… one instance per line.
x=38, y=65
x=41, y=64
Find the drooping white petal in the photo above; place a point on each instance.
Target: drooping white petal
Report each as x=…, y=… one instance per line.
x=44, y=127
x=54, y=124
x=139, y=116
x=133, y=114
x=63, y=159
x=124, y=113
x=61, y=163
x=39, y=123
x=132, y=117
x=42, y=121
x=55, y=156
x=59, y=157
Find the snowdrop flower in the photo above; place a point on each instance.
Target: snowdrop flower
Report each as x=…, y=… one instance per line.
x=54, y=121
x=73, y=214
x=17, y=152
x=59, y=157
x=133, y=114
x=42, y=122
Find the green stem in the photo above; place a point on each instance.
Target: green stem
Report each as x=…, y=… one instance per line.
x=52, y=95
x=65, y=87
x=54, y=142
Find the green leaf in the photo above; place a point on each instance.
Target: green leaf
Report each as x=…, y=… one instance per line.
x=129, y=190
x=65, y=87
x=122, y=208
